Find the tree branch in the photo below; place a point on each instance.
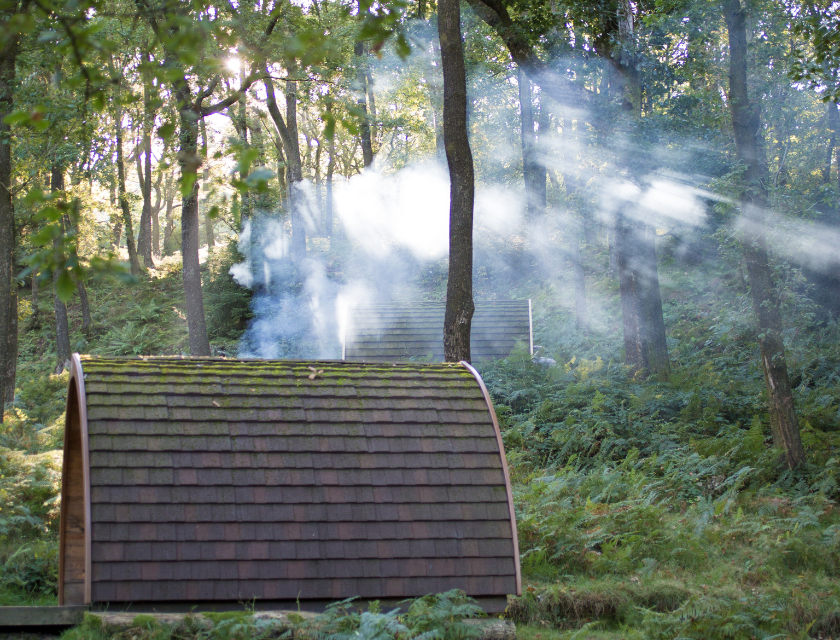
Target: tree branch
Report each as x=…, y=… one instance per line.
x=202, y=96
x=554, y=84
x=231, y=99
x=274, y=112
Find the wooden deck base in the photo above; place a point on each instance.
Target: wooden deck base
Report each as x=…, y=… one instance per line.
x=22, y=618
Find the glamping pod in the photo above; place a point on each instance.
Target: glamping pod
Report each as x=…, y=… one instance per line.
x=212, y=482
x=397, y=332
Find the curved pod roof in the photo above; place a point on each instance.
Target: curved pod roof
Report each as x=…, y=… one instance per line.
x=213, y=480
x=398, y=331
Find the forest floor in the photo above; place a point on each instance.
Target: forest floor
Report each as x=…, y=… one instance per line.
x=646, y=508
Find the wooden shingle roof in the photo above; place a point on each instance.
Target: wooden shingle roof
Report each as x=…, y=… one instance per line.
x=222, y=480
x=396, y=332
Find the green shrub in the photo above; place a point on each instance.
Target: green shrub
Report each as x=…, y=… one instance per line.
x=226, y=304
x=32, y=569
x=29, y=489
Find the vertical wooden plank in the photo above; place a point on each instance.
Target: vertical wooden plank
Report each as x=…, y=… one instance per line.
x=74, y=529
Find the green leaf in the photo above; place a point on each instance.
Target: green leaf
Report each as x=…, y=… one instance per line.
x=258, y=179
x=403, y=47
x=50, y=214
x=34, y=196
x=329, y=126
x=187, y=182
x=166, y=130
x=246, y=159
x=64, y=286
x=17, y=117
x=46, y=235
x=98, y=101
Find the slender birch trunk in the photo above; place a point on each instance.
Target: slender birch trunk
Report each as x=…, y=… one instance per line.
x=144, y=240
x=361, y=103
x=205, y=181
x=133, y=260
x=62, y=328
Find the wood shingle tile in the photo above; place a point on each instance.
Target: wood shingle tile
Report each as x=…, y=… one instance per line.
x=395, y=332
x=212, y=479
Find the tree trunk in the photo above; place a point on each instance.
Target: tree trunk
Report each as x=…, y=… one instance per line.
x=8, y=298
x=116, y=231
x=629, y=287
x=11, y=371
x=169, y=228
x=833, y=126
x=260, y=200
x=241, y=123
x=436, y=99
x=635, y=249
x=746, y=125
x=636, y=241
x=317, y=180
x=361, y=103
x=282, y=174
x=538, y=170
x=205, y=180
x=115, y=214
x=287, y=129
x=570, y=184
x=328, y=208
x=35, y=317
x=62, y=331
x=627, y=76
x=80, y=285
x=645, y=343
x=156, y=217
x=371, y=98
x=62, y=328
x=654, y=339
x=190, y=111
x=126, y=212
x=435, y=93
x=141, y=181
x=112, y=188
x=144, y=240
x=257, y=205
x=459, y=297
x=296, y=195
x=189, y=162
x=529, y=141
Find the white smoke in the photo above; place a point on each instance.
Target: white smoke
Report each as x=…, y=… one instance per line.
x=398, y=222
x=241, y=272
x=409, y=208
